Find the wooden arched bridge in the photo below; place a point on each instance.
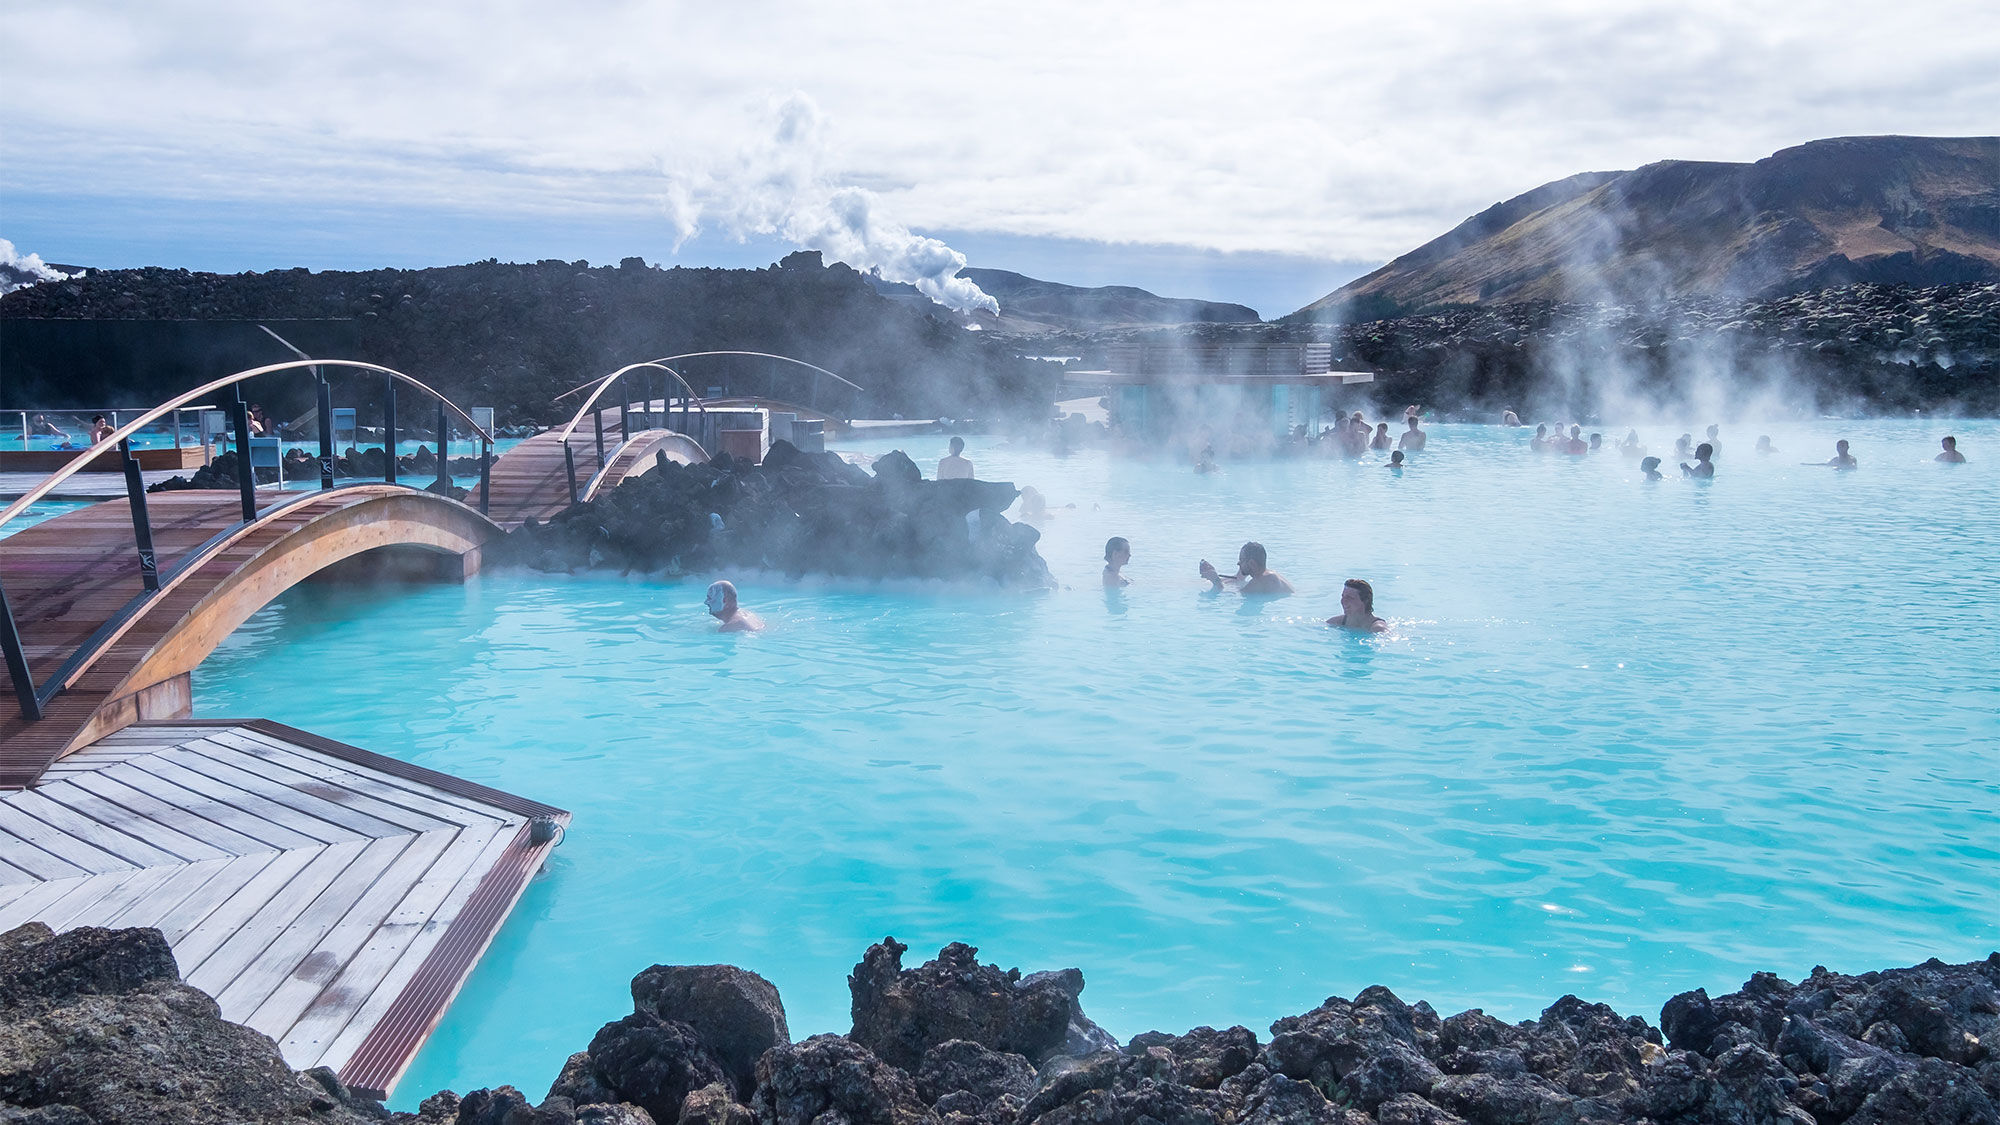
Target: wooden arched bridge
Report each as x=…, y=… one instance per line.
x=329, y=897
x=105, y=611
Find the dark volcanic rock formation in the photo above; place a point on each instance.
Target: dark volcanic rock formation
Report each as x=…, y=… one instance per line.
x=901, y=1014
x=1888, y=210
x=95, y=1027
x=796, y=513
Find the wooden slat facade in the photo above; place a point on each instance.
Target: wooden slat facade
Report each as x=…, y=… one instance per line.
x=328, y=897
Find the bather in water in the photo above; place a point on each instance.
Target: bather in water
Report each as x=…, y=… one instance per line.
x=1357, y=608
x=1253, y=577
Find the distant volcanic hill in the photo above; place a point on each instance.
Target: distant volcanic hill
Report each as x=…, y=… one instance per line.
x=1916, y=211
x=1032, y=307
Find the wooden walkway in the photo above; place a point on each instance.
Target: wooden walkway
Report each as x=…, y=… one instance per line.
x=531, y=480
x=73, y=583
x=328, y=897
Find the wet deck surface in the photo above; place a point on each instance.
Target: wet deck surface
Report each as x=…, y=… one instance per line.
x=328, y=897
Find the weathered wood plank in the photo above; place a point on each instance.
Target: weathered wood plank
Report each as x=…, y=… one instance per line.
x=325, y=966
x=91, y=904
x=209, y=760
x=171, y=842
x=247, y=987
x=215, y=822
x=105, y=838
x=368, y=974
x=208, y=917
x=30, y=836
x=161, y=901
x=256, y=805
x=350, y=790
x=38, y=897
x=253, y=924
x=441, y=809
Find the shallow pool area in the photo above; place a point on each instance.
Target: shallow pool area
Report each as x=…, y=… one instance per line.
x=1624, y=739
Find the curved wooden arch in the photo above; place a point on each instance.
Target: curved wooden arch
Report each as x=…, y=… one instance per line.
x=138, y=669
x=637, y=458
x=125, y=431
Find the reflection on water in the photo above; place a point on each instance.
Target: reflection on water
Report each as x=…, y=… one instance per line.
x=1621, y=741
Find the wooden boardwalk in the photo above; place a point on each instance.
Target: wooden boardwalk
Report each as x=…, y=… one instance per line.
x=328, y=897
x=73, y=583
x=531, y=480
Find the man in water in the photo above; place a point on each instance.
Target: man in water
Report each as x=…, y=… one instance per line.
x=1951, y=455
x=1253, y=577
x=1714, y=443
x=42, y=427
x=1395, y=462
x=1651, y=467
x=953, y=465
x=99, y=429
x=1703, y=468
x=1117, y=552
x=1413, y=439
x=1509, y=418
x=1764, y=445
x=1841, y=458
x=722, y=606
x=1357, y=608
x=1575, y=446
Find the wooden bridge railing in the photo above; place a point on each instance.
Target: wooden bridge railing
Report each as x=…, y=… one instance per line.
x=34, y=698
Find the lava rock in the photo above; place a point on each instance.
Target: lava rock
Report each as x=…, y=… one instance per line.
x=962, y=1066
x=653, y=1063
x=1204, y=1057
x=829, y=1078
x=96, y=1025
x=715, y=1105
x=901, y=1014
x=737, y=1014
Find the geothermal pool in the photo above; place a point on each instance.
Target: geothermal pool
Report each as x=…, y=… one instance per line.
x=1624, y=740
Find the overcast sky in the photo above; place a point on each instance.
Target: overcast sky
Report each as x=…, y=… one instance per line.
x=1252, y=152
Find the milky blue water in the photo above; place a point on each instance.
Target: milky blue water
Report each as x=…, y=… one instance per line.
x=1624, y=739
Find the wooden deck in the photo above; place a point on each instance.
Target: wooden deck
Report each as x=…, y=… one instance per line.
x=531, y=481
x=73, y=583
x=328, y=897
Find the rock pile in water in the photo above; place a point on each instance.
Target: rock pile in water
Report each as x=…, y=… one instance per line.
x=96, y=1027
x=796, y=513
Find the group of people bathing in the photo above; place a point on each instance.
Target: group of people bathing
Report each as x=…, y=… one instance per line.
x=1702, y=467
x=1254, y=578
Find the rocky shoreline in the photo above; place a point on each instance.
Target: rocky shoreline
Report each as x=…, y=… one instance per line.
x=796, y=513
x=97, y=1027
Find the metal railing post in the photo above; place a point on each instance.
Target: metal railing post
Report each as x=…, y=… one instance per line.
x=17, y=662
x=325, y=434
x=443, y=449
x=246, y=477
x=569, y=462
x=597, y=417
x=624, y=417
x=142, y=524
x=485, y=474
x=389, y=434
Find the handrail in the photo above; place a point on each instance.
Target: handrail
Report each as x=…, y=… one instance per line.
x=113, y=440
x=604, y=384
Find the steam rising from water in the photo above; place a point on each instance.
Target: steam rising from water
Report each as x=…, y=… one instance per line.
x=18, y=272
x=779, y=185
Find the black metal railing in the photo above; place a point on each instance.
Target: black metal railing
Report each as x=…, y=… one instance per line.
x=35, y=698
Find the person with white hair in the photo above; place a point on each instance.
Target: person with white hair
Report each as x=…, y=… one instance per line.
x=722, y=606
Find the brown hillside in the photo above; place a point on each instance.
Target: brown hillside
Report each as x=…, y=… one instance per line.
x=1889, y=210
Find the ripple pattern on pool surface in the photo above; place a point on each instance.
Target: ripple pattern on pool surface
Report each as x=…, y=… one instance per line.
x=1624, y=740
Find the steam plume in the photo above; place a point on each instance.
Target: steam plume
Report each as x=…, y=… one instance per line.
x=17, y=272
x=779, y=186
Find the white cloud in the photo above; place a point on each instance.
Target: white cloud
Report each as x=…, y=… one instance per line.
x=1342, y=131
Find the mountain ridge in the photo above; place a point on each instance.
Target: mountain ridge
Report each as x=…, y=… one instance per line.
x=1846, y=210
